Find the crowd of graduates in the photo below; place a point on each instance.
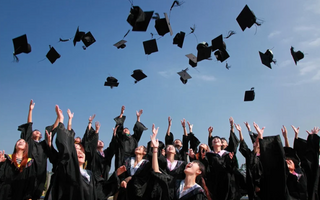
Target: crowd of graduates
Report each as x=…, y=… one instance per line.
x=175, y=169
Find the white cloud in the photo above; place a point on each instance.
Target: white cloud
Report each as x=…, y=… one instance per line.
x=285, y=63
x=273, y=34
x=311, y=44
x=167, y=73
x=315, y=7
x=306, y=28
x=205, y=77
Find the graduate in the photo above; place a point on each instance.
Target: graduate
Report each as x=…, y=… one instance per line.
x=191, y=187
x=17, y=173
x=181, y=147
x=126, y=143
x=134, y=181
x=37, y=150
x=254, y=169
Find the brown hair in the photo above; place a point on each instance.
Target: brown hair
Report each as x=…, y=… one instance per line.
x=200, y=180
x=25, y=157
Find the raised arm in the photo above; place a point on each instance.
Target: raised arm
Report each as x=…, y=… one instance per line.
x=90, y=121
x=155, y=144
x=231, y=121
x=296, y=131
x=190, y=127
x=238, y=127
x=122, y=111
x=248, y=126
x=259, y=131
x=210, y=130
x=31, y=107
x=138, y=115
x=285, y=136
x=70, y=119
x=169, y=125
x=183, y=123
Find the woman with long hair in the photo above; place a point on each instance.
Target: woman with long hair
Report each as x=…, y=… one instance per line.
x=17, y=173
x=192, y=186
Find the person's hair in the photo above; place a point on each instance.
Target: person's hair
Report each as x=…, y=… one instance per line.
x=40, y=133
x=200, y=178
x=198, y=155
x=224, y=139
x=24, y=160
x=81, y=146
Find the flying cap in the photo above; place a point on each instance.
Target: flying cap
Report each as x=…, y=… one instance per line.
x=150, y=46
x=138, y=75
x=184, y=76
x=111, y=82
x=138, y=19
x=296, y=55
x=267, y=58
x=192, y=60
x=218, y=44
x=249, y=95
x=221, y=55
x=179, y=38
x=121, y=44
x=163, y=25
x=88, y=39
x=21, y=45
x=204, y=51
x=246, y=18
x=78, y=36
x=52, y=55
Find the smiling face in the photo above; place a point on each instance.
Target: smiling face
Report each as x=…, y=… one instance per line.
x=126, y=131
x=80, y=153
x=140, y=150
x=216, y=142
x=21, y=145
x=224, y=143
x=178, y=144
x=36, y=135
x=170, y=149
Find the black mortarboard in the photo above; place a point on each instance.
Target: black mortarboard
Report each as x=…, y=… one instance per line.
x=296, y=55
x=138, y=19
x=88, y=39
x=78, y=36
x=121, y=44
x=163, y=25
x=52, y=55
x=267, y=58
x=204, y=51
x=246, y=18
x=111, y=82
x=290, y=153
x=249, y=95
x=221, y=55
x=184, y=76
x=150, y=46
x=217, y=43
x=138, y=75
x=192, y=60
x=179, y=38
x=21, y=45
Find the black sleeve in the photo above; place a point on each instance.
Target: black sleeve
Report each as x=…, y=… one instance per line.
x=26, y=131
x=233, y=143
x=194, y=142
x=90, y=142
x=119, y=122
x=168, y=139
x=244, y=149
x=210, y=142
x=138, y=130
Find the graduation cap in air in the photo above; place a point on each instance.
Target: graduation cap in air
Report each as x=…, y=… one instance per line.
x=179, y=38
x=163, y=25
x=150, y=46
x=138, y=75
x=111, y=82
x=121, y=44
x=138, y=19
x=78, y=36
x=52, y=55
x=249, y=95
x=192, y=60
x=291, y=154
x=218, y=44
x=21, y=45
x=184, y=76
x=88, y=39
x=246, y=18
x=267, y=58
x=204, y=51
x=296, y=55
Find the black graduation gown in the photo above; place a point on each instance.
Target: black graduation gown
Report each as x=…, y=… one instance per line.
x=254, y=171
x=15, y=185
x=220, y=179
x=297, y=185
x=138, y=184
x=163, y=185
x=308, y=152
x=182, y=153
x=232, y=145
x=272, y=157
x=177, y=174
x=125, y=145
x=37, y=151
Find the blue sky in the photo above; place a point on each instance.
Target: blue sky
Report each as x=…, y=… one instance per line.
x=286, y=94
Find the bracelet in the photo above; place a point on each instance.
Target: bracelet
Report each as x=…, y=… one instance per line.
x=155, y=151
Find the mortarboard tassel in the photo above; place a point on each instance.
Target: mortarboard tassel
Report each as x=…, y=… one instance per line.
x=15, y=58
x=176, y=3
x=64, y=40
x=230, y=33
x=126, y=33
x=157, y=16
x=228, y=66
